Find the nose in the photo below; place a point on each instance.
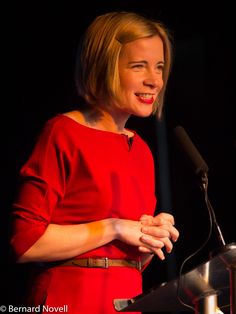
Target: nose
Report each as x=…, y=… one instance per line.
x=154, y=80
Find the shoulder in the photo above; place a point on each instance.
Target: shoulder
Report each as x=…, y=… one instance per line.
x=61, y=123
x=59, y=128
x=57, y=122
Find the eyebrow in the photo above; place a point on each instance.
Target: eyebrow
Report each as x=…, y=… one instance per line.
x=145, y=62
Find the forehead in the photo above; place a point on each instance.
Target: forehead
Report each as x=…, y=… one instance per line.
x=143, y=48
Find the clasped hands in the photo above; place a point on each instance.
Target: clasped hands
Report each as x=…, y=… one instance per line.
x=158, y=233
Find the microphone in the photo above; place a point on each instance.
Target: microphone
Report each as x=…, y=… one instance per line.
x=199, y=165
x=200, y=168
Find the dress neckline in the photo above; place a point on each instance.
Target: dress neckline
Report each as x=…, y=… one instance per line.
x=99, y=130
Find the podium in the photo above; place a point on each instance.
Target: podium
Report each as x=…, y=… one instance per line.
x=206, y=287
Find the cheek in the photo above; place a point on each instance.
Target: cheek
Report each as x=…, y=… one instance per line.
x=160, y=84
x=128, y=81
x=125, y=83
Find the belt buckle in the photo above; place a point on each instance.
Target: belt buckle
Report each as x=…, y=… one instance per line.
x=139, y=265
x=106, y=264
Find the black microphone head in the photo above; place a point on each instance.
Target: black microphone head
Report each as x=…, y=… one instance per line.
x=197, y=162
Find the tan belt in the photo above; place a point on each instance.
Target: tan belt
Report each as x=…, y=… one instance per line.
x=104, y=262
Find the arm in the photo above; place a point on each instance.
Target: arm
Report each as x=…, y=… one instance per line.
x=66, y=241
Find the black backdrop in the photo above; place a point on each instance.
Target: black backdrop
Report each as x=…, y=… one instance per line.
x=42, y=39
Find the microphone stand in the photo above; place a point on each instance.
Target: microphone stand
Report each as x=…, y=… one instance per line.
x=206, y=303
x=204, y=187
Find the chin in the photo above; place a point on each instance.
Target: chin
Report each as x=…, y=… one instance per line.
x=145, y=113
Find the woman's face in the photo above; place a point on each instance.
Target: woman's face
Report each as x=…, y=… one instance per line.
x=141, y=66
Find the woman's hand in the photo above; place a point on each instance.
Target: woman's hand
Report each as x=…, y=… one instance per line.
x=155, y=230
x=130, y=232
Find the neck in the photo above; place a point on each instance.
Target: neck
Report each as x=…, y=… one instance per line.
x=107, y=119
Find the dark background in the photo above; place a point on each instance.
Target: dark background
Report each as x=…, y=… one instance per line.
x=42, y=39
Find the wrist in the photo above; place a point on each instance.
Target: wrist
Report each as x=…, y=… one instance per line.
x=116, y=227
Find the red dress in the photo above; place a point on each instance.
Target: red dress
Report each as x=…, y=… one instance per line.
x=78, y=174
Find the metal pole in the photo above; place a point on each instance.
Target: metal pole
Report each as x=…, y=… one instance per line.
x=232, y=274
x=207, y=304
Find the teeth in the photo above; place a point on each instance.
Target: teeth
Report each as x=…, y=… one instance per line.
x=146, y=96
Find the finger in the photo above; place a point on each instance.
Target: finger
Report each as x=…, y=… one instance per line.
x=152, y=242
x=145, y=249
x=156, y=231
x=161, y=231
x=168, y=244
x=174, y=234
x=146, y=219
x=168, y=217
x=164, y=218
x=160, y=254
x=157, y=243
x=157, y=252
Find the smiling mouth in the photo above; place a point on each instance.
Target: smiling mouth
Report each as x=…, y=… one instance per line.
x=145, y=98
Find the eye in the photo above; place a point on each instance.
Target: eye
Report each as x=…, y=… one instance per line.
x=137, y=66
x=160, y=68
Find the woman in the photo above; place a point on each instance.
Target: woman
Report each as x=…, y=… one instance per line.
x=84, y=211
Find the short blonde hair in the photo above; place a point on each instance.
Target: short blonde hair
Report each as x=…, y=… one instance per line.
x=97, y=74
